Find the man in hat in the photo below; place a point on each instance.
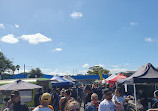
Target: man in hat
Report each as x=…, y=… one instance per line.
x=107, y=104
x=16, y=104
x=45, y=101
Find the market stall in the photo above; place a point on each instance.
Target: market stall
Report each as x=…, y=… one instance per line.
x=25, y=89
x=145, y=75
x=60, y=81
x=113, y=80
x=110, y=77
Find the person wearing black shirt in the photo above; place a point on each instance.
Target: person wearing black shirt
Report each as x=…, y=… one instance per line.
x=55, y=100
x=142, y=98
x=88, y=90
x=16, y=103
x=37, y=97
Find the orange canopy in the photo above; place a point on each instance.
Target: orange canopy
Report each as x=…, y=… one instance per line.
x=113, y=80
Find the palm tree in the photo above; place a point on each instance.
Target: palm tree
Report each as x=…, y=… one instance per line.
x=13, y=68
x=18, y=67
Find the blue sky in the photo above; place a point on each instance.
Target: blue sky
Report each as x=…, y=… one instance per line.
x=69, y=36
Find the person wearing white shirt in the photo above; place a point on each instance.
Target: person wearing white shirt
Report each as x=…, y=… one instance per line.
x=119, y=99
x=107, y=104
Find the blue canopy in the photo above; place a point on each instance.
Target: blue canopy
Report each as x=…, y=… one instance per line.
x=60, y=81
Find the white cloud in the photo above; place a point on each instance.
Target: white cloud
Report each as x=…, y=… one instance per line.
x=85, y=65
x=115, y=66
x=58, y=49
x=17, y=26
x=133, y=23
x=75, y=15
x=35, y=38
x=10, y=38
x=118, y=70
x=0, y=50
x=148, y=40
x=2, y=26
x=100, y=65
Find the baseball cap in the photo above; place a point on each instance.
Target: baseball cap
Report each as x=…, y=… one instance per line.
x=15, y=94
x=46, y=97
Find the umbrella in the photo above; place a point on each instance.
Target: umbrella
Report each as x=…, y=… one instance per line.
x=19, y=85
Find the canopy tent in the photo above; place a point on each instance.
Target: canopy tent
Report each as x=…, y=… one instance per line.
x=60, y=81
x=67, y=77
x=19, y=85
x=113, y=80
x=110, y=77
x=145, y=74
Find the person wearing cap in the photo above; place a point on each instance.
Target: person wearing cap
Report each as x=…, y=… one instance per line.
x=16, y=104
x=45, y=101
x=107, y=104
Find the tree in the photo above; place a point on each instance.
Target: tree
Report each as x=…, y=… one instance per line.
x=13, y=68
x=96, y=69
x=18, y=67
x=35, y=73
x=5, y=64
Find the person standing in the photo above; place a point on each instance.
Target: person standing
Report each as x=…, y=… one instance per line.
x=94, y=104
x=107, y=104
x=88, y=90
x=55, y=100
x=155, y=105
x=45, y=101
x=16, y=104
x=63, y=101
x=72, y=105
x=118, y=97
x=37, y=97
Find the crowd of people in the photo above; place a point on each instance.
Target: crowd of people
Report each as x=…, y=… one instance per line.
x=86, y=97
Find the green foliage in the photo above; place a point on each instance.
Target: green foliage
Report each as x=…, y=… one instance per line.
x=13, y=68
x=35, y=73
x=96, y=69
x=5, y=64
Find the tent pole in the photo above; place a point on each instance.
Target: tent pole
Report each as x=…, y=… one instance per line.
x=135, y=97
